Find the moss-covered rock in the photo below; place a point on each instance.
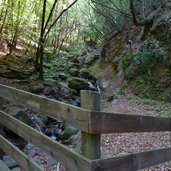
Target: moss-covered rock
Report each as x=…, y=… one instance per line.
x=86, y=74
x=69, y=131
x=14, y=74
x=90, y=59
x=36, y=88
x=62, y=76
x=78, y=84
x=20, y=115
x=74, y=72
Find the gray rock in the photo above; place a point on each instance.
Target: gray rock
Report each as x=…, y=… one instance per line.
x=28, y=148
x=21, y=115
x=50, y=161
x=74, y=103
x=89, y=59
x=69, y=131
x=75, y=140
x=43, y=119
x=9, y=162
x=16, y=169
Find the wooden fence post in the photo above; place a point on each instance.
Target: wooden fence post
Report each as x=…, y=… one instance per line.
x=90, y=146
x=1, y=129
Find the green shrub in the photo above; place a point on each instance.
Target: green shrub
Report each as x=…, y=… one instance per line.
x=117, y=92
x=149, y=54
x=126, y=62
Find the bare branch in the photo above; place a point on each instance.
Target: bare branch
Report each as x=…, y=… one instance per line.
x=50, y=15
x=58, y=17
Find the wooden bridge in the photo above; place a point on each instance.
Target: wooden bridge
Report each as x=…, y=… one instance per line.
x=91, y=122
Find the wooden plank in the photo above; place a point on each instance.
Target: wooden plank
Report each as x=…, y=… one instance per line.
x=66, y=113
x=90, y=146
x=103, y=123
x=133, y=162
x=1, y=128
x=21, y=158
x=70, y=159
x=3, y=166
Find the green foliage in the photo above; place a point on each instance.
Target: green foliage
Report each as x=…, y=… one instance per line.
x=149, y=54
x=89, y=33
x=169, y=73
x=146, y=56
x=126, y=62
x=117, y=92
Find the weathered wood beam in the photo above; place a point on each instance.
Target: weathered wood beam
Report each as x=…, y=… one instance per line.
x=66, y=113
x=21, y=158
x=72, y=160
x=103, y=123
x=133, y=162
x=90, y=144
x=1, y=129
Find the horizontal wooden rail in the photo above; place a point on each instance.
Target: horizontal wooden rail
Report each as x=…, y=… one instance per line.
x=70, y=159
x=91, y=122
x=21, y=158
x=132, y=162
x=66, y=113
x=85, y=120
x=102, y=123
x=3, y=166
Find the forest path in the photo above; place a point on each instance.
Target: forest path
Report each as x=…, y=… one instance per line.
x=119, y=144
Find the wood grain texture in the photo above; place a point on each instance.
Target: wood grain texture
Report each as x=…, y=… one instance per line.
x=103, y=123
x=90, y=146
x=21, y=158
x=3, y=166
x=70, y=159
x=133, y=162
x=1, y=129
x=66, y=113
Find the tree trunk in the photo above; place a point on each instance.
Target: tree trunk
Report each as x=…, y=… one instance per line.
x=41, y=52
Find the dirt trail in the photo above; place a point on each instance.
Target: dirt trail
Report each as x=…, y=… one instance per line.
x=116, y=144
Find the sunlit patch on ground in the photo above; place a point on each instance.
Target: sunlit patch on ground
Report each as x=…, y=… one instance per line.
x=2, y=54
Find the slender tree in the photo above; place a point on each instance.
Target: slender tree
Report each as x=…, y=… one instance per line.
x=46, y=27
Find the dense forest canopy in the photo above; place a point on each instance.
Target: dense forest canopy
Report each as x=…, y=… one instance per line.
x=119, y=49
x=54, y=25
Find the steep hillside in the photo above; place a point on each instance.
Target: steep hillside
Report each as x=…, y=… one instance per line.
x=141, y=66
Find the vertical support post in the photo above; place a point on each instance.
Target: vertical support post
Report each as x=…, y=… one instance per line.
x=1, y=129
x=90, y=146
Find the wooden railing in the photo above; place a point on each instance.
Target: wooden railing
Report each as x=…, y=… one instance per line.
x=91, y=122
